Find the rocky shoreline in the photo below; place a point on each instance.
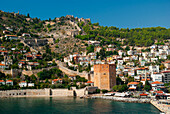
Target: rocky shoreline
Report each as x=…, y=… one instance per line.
x=122, y=99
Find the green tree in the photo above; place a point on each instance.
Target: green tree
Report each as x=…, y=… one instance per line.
x=140, y=86
x=147, y=86
x=120, y=88
x=127, y=48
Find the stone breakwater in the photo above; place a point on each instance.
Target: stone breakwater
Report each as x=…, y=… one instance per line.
x=122, y=99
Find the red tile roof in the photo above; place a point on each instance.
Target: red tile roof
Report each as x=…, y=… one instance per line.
x=22, y=62
x=143, y=94
x=89, y=82
x=159, y=92
x=29, y=55
x=142, y=68
x=2, y=64
x=144, y=79
x=156, y=82
x=9, y=81
x=12, y=35
x=23, y=82
x=131, y=83
x=165, y=72
x=3, y=51
x=156, y=73
x=56, y=80
x=38, y=55
x=2, y=81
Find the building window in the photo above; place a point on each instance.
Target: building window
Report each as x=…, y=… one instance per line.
x=96, y=73
x=104, y=73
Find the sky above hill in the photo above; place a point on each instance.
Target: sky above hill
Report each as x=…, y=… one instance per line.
x=119, y=13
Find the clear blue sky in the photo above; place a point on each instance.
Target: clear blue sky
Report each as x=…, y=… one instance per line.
x=119, y=13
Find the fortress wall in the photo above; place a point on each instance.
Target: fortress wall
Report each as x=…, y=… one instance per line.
x=37, y=92
x=25, y=92
x=62, y=92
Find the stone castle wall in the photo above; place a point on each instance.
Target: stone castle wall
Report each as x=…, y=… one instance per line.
x=25, y=92
x=62, y=92
x=12, y=72
x=42, y=92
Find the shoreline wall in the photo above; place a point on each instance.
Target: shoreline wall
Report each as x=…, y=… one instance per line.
x=42, y=92
x=36, y=92
x=62, y=92
x=25, y=92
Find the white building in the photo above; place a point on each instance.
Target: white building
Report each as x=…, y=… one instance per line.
x=132, y=85
x=23, y=84
x=11, y=37
x=154, y=68
x=157, y=85
x=2, y=82
x=9, y=82
x=26, y=34
x=156, y=77
x=30, y=84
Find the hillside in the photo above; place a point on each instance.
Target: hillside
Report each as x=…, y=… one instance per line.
x=57, y=33
x=70, y=34
x=132, y=37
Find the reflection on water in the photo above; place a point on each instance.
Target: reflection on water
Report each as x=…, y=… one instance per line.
x=71, y=105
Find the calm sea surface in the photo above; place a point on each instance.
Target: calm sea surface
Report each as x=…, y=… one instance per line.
x=58, y=105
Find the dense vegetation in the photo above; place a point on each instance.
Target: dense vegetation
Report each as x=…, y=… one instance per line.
x=20, y=23
x=133, y=37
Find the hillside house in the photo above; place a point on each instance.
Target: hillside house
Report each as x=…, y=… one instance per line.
x=6, y=32
x=9, y=82
x=2, y=82
x=132, y=85
x=29, y=57
x=3, y=66
x=23, y=84
x=55, y=81
x=26, y=35
x=156, y=76
x=2, y=48
x=154, y=68
x=89, y=83
x=154, y=59
x=30, y=84
x=97, y=49
x=156, y=86
x=11, y=37
x=166, y=64
x=95, y=43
